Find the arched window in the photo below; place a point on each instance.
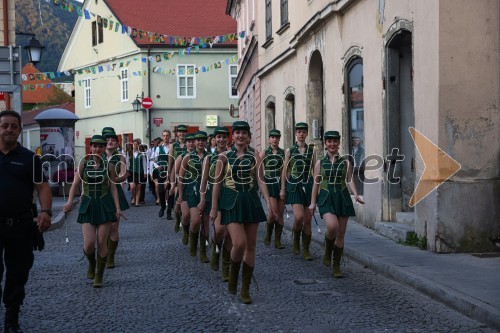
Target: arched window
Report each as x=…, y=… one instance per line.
x=355, y=105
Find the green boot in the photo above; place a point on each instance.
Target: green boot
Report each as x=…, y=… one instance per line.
x=226, y=261
x=269, y=233
x=296, y=242
x=112, y=246
x=185, y=234
x=101, y=264
x=306, y=241
x=277, y=236
x=234, y=273
x=177, y=224
x=337, y=257
x=214, y=260
x=327, y=258
x=203, y=249
x=246, y=279
x=92, y=263
x=193, y=243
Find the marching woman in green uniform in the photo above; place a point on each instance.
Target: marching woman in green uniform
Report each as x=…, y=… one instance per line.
x=333, y=175
x=114, y=157
x=99, y=206
x=240, y=207
x=175, y=150
x=138, y=169
x=183, y=205
x=220, y=235
x=190, y=175
x=273, y=158
x=296, y=190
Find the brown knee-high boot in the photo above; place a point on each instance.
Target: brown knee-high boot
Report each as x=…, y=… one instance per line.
x=327, y=258
x=185, y=234
x=337, y=257
x=214, y=260
x=193, y=243
x=92, y=263
x=226, y=261
x=306, y=241
x=101, y=265
x=277, y=236
x=234, y=273
x=269, y=232
x=203, y=248
x=112, y=246
x=246, y=279
x=296, y=242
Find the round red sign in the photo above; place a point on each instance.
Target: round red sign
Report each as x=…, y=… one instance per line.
x=147, y=103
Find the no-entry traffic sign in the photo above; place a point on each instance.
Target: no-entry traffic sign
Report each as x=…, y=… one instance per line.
x=147, y=103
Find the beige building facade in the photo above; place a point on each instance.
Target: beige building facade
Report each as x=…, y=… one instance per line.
x=112, y=68
x=372, y=69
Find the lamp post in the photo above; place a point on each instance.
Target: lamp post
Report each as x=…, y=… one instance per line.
x=34, y=50
x=137, y=106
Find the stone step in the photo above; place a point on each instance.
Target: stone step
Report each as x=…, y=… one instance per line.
x=393, y=230
x=407, y=218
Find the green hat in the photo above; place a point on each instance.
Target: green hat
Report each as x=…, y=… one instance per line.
x=241, y=125
x=189, y=136
x=109, y=132
x=181, y=128
x=331, y=135
x=200, y=135
x=274, y=132
x=221, y=130
x=99, y=139
x=301, y=126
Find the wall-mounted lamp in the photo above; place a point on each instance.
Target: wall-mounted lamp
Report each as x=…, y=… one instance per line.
x=137, y=104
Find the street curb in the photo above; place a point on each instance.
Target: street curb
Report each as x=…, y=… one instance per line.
x=452, y=298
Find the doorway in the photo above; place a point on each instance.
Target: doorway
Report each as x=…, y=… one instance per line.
x=400, y=117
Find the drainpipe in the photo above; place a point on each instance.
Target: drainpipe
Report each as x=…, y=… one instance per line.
x=6, y=42
x=149, y=95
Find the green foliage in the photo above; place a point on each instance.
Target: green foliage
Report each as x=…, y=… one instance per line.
x=413, y=240
x=53, y=34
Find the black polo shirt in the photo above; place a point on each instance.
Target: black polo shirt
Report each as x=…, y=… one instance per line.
x=19, y=170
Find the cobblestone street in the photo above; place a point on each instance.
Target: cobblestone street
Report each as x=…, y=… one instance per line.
x=157, y=287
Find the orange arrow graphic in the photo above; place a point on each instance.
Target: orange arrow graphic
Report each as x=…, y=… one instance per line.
x=438, y=166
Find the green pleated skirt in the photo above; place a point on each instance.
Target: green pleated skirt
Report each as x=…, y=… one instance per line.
x=274, y=188
x=191, y=194
x=97, y=211
x=121, y=198
x=241, y=207
x=335, y=202
x=298, y=194
x=208, y=200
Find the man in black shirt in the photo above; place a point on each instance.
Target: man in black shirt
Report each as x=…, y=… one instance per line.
x=20, y=174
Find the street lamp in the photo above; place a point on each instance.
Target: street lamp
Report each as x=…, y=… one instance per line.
x=136, y=104
x=34, y=50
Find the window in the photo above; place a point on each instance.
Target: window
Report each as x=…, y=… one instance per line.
x=124, y=85
x=233, y=73
x=284, y=12
x=355, y=104
x=269, y=27
x=186, y=81
x=97, y=32
x=86, y=93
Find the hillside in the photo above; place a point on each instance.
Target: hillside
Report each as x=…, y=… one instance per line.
x=53, y=33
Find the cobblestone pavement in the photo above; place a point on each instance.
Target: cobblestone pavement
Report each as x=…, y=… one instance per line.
x=157, y=287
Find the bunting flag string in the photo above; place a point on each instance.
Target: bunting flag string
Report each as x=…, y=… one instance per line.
x=91, y=70
x=118, y=27
x=197, y=69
